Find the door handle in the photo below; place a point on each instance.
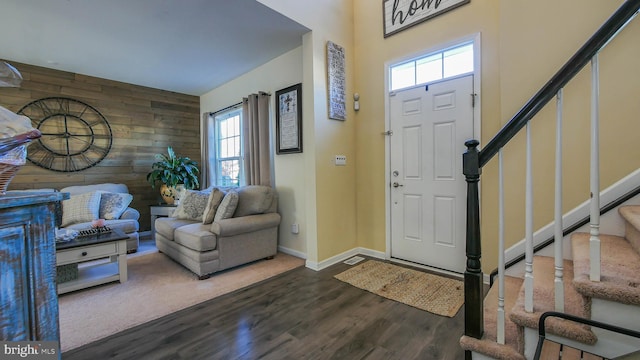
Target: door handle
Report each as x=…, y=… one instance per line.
x=395, y=185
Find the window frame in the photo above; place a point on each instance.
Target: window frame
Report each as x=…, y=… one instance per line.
x=217, y=159
x=411, y=65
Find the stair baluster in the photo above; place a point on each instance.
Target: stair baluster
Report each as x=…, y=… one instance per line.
x=594, y=241
x=475, y=340
x=528, y=266
x=558, y=225
x=501, y=263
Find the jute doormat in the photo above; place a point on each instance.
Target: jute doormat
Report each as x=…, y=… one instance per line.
x=432, y=293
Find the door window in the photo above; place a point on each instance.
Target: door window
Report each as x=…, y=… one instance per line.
x=450, y=62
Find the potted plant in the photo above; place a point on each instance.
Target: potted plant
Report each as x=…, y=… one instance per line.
x=172, y=170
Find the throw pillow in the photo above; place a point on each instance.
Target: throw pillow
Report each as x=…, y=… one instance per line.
x=192, y=205
x=212, y=206
x=81, y=208
x=112, y=205
x=227, y=206
x=254, y=199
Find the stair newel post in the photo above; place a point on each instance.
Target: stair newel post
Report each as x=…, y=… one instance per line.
x=473, y=292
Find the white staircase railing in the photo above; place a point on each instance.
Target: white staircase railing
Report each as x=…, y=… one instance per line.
x=558, y=212
x=474, y=160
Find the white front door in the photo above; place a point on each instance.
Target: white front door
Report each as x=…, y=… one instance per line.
x=429, y=126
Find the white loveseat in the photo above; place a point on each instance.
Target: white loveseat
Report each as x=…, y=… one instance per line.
x=112, y=204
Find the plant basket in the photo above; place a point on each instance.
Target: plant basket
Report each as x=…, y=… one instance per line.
x=66, y=273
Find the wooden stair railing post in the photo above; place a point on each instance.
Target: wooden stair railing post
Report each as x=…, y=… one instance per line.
x=473, y=285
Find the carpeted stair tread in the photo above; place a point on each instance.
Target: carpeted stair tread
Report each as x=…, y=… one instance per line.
x=544, y=300
x=619, y=269
x=631, y=215
x=514, y=343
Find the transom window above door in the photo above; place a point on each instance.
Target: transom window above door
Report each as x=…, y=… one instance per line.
x=450, y=62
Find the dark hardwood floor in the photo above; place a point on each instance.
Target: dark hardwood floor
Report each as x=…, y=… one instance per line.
x=302, y=314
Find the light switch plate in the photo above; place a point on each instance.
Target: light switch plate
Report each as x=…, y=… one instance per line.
x=341, y=160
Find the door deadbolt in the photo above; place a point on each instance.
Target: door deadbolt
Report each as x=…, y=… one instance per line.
x=395, y=173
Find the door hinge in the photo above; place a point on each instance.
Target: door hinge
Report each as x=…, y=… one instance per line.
x=473, y=99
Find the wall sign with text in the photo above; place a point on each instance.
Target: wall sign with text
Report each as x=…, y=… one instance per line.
x=401, y=14
x=337, y=81
x=289, y=120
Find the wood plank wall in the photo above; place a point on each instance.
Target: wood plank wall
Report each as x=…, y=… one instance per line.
x=144, y=121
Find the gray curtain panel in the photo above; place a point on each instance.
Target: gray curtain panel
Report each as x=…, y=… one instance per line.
x=257, y=160
x=205, y=177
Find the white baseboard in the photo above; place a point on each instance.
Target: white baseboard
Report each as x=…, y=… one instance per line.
x=372, y=253
x=317, y=266
x=296, y=253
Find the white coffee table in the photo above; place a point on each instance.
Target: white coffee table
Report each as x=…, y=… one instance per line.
x=111, y=247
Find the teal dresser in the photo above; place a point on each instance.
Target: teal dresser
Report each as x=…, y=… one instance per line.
x=28, y=298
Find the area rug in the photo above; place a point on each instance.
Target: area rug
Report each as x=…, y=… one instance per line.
x=156, y=286
x=432, y=293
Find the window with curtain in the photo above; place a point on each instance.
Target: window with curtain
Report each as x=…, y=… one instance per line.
x=226, y=138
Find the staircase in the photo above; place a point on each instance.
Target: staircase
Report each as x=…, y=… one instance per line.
x=617, y=292
x=599, y=280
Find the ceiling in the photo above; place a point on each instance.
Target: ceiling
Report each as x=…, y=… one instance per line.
x=186, y=46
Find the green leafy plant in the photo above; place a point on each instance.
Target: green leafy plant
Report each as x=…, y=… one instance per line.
x=172, y=170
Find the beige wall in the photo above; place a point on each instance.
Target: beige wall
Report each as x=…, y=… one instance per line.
x=373, y=51
x=331, y=190
x=529, y=55
x=279, y=73
x=522, y=44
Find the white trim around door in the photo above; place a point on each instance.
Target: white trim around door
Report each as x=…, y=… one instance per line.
x=476, y=115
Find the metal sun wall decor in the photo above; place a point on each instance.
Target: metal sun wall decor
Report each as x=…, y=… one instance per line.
x=401, y=14
x=336, y=79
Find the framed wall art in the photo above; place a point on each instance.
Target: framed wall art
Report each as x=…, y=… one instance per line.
x=336, y=81
x=289, y=120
